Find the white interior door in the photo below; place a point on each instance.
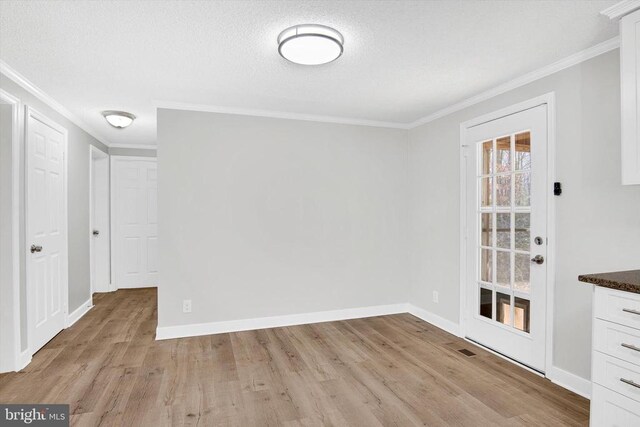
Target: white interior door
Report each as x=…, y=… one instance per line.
x=100, y=227
x=135, y=207
x=47, y=268
x=506, y=216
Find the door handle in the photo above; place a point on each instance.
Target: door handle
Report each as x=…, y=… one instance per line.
x=630, y=346
x=96, y=232
x=630, y=382
x=35, y=248
x=538, y=259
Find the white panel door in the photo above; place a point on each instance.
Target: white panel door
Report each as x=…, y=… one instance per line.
x=46, y=230
x=135, y=207
x=506, y=249
x=100, y=227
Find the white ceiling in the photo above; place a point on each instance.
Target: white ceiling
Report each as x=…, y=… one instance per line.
x=403, y=59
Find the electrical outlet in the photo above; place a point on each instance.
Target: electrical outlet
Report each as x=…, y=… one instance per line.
x=435, y=296
x=186, y=306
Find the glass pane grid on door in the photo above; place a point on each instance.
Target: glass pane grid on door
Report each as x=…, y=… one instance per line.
x=504, y=215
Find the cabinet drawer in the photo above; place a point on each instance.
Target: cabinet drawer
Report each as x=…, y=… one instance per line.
x=617, y=340
x=609, y=409
x=617, y=375
x=617, y=306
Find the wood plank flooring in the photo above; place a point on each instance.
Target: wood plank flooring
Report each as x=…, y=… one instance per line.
x=381, y=371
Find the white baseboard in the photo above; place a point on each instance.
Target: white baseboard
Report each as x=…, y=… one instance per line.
x=570, y=381
x=115, y=288
x=79, y=312
x=20, y=360
x=106, y=288
x=24, y=360
x=435, y=320
x=197, y=329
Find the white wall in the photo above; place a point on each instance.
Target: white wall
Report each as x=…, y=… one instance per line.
x=598, y=220
x=264, y=217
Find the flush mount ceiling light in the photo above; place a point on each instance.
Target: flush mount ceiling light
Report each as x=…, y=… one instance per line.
x=310, y=44
x=118, y=119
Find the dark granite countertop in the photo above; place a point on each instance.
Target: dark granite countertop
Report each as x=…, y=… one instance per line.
x=628, y=281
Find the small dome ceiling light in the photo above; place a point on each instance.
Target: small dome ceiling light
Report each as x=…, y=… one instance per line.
x=310, y=44
x=118, y=119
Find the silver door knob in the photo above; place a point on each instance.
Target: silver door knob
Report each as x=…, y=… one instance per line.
x=538, y=259
x=35, y=248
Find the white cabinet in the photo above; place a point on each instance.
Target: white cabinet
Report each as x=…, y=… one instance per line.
x=630, y=96
x=615, y=370
x=613, y=409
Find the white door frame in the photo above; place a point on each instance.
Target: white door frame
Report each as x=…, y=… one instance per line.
x=30, y=112
x=114, y=194
x=549, y=100
x=93, y=150
x=10, y=349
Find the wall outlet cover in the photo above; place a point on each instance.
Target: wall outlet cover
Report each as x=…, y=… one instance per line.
x=186, y=306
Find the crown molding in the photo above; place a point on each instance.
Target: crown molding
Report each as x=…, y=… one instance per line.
x=277, y=114
x=135, y=146
x=560, y=65
x=620, y=9
x=26, y=84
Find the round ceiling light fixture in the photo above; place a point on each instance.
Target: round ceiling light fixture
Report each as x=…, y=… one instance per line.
x=118, y=119
x=310, y=44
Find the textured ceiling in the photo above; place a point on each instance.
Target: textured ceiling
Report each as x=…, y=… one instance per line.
x=403, y=59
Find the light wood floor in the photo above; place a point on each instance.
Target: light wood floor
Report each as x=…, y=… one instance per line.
x=390, y=370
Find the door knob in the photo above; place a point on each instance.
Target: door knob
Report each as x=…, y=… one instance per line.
x=538, y=259
x=35, y=248
x=96, y=232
